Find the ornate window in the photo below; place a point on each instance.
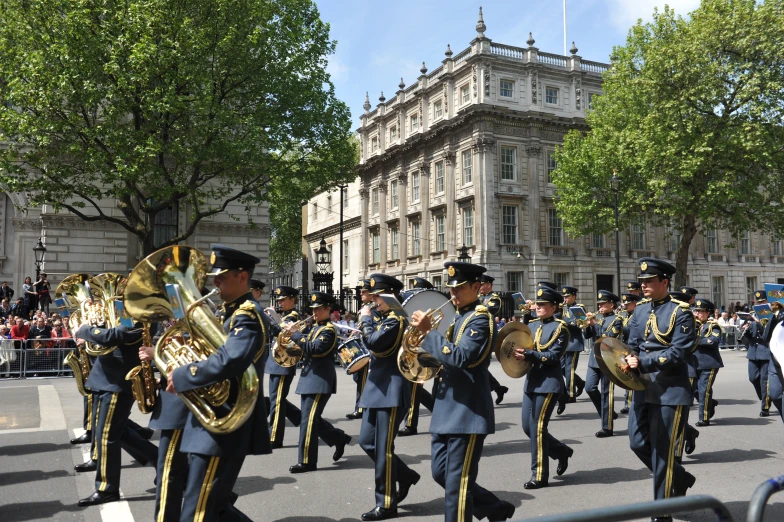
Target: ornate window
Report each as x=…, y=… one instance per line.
x=440, y=177
x=556, y=228
x=468, y=226
x=506, y=88
x=467, y=166
x=508, y=163
x=509, y=216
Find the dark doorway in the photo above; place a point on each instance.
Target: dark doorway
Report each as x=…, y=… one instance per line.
x=604, y=282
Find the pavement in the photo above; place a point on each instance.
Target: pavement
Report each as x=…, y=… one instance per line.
x=738, y=451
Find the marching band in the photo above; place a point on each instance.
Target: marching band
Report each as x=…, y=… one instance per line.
x=208, y=403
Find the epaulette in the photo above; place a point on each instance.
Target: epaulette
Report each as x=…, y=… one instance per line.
x=562, y=322
x=682, y=304
x=330, y=326
x=534, y=320
x=481, y=309
x=248, y=305
x=393, y=315
x=646, y=300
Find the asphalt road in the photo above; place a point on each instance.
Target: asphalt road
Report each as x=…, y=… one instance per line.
x=736, y=453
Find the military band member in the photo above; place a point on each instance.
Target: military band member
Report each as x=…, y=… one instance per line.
x=775, y=384
x=759, y=356
x=661, y=334
x=87, y=416
x=112, y=405
x=629, y=302
x=574, y=383
x=606, y=324
x=543, y=386
x=360, y=377
x=708, y=358
x=419, y=395
x=317, y=383
x=383, y=401
x=463, y=411
x=215, y=460
x=493, y=303
x=280, y=378
x=691, y=293
x=687, y=441
x=634, y=288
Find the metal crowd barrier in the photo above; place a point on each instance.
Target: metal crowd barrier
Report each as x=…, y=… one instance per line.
x=646, y=509
x=760, y=498
x=730, y=338
x=21, y=359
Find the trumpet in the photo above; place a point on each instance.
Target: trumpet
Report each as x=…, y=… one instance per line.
x=285, y=352
x=584, y=323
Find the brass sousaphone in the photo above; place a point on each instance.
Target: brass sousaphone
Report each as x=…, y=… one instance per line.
x=512, y=337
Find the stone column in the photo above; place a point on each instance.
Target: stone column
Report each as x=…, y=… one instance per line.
x=382, y=220
x=451, y=208
x=485, y=223
x=402, y=194
x=364, y=194
x=424, y=201
x=534, y=151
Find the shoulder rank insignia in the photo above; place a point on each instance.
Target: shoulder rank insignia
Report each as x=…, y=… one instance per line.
x=715, y=333
x=445, y=350
x=386, y=327
x=321, y=338
x=238, y=330
x=481, y=309
x=662, y=359
x=194, y=369
x=376, y=318
x=685, y=328
x=472, y=332
x=96, y=331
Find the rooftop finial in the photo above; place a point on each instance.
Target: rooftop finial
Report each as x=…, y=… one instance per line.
x=402, y=84
x=448, y=51
x=381, y=98
x=423, y=69
x=574, y=49
x=366, y=105
x=480, y=25
x=530, y=40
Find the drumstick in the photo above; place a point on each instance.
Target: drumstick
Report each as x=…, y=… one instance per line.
x=345, y=327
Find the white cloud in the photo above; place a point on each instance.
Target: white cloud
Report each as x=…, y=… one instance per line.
x=625, y=13
x=337, y=69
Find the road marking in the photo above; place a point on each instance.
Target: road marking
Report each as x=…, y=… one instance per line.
x=113, y=511
x=50, y=409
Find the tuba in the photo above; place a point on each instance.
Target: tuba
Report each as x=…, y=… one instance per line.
x=196, y=336
x=414, y=363
x=285, y=352
x=74, y=292
x=106, y=289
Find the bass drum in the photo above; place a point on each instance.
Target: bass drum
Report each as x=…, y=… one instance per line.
x=427, y=299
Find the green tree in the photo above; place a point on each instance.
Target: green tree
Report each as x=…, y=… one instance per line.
x=141, y=104
x=691, y=117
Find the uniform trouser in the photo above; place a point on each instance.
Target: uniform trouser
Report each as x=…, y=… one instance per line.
x=140, y=449
x=627, y=399
x=377, y=439
x=454, y=466
x=758, y=376
x=603, y=401
x=705, y=380
x=172, y=474
x=419, y=395
x=280, y=407
x=314, y=427
x=569, y=368
x=112, y=411
x=653, y=436
x=360, y=378
x=775, y=385
x=537, y=409
x=688, y=431
x=209, y=484
x=88, y=412
x=495, y=386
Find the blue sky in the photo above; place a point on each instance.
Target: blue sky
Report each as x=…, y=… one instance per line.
x=377, y=42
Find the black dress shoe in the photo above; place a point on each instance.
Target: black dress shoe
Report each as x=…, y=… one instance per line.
x=615, y=415
x=714, y=402
x=571, y=400
x=405, y=432
x=90, y=465
x=84, y=438
x=702, y=423
x=604, y=433
x=354, y=415
x=661, y=519
x=765, y=413
x=302, y=468
x=561, y=407
x=501, y=392
x=403, y=487
x=535, y=484
x=691, y=441
x=340, y=447
x=563, y=462
x=580, y=389
x=100, y=497
x=379, y=513
x=624, y=410
x=504, y=511
x=688, y=481
x=276, y=445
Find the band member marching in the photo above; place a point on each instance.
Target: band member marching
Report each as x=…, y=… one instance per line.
x=603, y=399
x=543, y=387
x=360, y=377
x=463, y=410
x=317, y=383
x=708, y=358
x=419, y=395
x=629, y=302
x=759, y=356
x=383, y=401
x=661, y=335
x=687, y=441
x=493, y=303
x=574, y=383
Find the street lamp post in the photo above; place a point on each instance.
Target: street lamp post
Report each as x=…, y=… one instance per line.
x=322, y=279
x=615, y=183
x=40, y=252
x=464, y=256
x=342, y=246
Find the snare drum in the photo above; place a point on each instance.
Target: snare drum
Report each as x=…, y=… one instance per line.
x=353, y=355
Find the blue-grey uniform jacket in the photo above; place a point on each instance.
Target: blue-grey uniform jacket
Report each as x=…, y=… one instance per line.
x=576, y=339
x=318, y=370
x=247, y=335
x=170, y=412
x=758, y=348
x=270, y=366
x=662, y=333
x=707, y=352
x=385, y=386
x=462, y=401
x=493, y=303
x=108, y=371
x=611, y=326
x=626, y=320
x=551, y=338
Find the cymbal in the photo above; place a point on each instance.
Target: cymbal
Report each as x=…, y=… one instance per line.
x=511, y=337
x=610, y=354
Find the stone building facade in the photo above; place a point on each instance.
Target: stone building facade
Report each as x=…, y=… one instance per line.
x=463, y=157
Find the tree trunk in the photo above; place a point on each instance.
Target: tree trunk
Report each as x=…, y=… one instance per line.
x=682, y=257
x=148, y=244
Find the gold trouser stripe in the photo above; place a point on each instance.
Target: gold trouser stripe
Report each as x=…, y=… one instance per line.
x=89, y=412
x=629, y=395
x=206, y=487
x=708, y=393
x=611, y=404
x=310, y=427
x=277, y=408
x=362, y=386
x=671, y=455
x=767, y=394
x=94, y=425
x=539, y=432
x=389, y=487
x=691, y=382
x=413, y=404
x=461, y=499
x=174, y=443
x=571, y=380
x=107, y=425
x=682, y=441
